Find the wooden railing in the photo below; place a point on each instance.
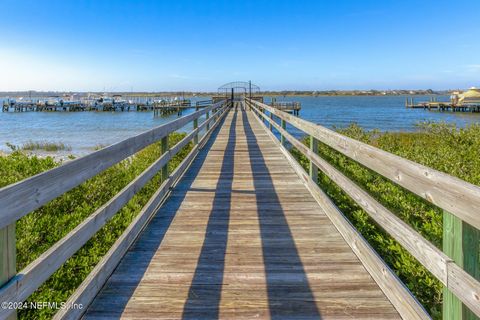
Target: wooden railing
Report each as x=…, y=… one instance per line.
x=286, y=105
x=203, y=103
x=459, y=200
x=19, y=199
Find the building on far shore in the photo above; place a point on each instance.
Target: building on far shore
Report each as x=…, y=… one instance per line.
x=471, y=96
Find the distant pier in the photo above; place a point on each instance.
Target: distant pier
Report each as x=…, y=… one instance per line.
x=468, y=101
x=293, y=107
x=433, y=104
x=165, y=108
x=159, y=107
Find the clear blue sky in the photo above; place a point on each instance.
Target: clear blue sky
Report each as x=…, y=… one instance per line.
x=199, y=45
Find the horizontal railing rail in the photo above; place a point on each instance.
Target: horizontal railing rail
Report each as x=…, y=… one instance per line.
x=285, y=104
x=174, y=103
x=203, y=103
x=459, y=198
x=36, y=191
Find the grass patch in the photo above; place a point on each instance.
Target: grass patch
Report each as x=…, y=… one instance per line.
x=99, y=146
x=46, y=146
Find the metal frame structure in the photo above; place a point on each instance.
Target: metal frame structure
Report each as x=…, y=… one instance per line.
x=236, y=86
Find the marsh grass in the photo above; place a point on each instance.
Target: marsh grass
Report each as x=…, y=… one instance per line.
x=99, y=146
x=45, y=146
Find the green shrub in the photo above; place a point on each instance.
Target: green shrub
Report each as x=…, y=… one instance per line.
x=39, y=230
x=437, y=145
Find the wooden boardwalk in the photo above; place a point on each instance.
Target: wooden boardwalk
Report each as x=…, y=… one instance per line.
x=241, y=237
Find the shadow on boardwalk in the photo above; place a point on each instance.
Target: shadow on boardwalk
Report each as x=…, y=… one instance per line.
x=288, y=291
x=156, y=231
x=212, y=256
x=279, y=258
x=276, y=262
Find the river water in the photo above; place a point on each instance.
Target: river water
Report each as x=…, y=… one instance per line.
x=386, y=113
x=83, y=131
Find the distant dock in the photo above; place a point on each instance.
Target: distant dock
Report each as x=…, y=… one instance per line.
x=468, y=101
x=160, y=107
x=433, y=104
x=293, y=107
x=165, y=108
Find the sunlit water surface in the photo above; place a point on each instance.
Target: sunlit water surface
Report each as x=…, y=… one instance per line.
x=83, y=131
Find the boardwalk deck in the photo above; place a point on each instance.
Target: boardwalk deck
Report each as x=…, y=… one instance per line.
x=241, y=237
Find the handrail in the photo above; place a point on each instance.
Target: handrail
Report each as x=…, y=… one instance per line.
x=452, y=276
x=285, y=104
x=18, y=199
x=25, y=282
x=203, y=103
x=449, y=193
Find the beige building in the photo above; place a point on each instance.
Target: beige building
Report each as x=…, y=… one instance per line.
x=471, y=96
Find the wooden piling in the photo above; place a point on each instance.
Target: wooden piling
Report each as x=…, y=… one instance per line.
x=195, y=126
x=284, y=126
x=313, y=170
x=163, y=149
x=207, y=116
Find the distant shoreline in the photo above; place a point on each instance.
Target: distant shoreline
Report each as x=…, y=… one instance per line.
x=351, y=95
x=299, y=93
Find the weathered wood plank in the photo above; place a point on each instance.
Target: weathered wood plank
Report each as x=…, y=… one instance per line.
x=313, y=169
x=29, y=279
x=425, y=252
x=8, y=258
x=405, y=303
x=94, y=282
x=431, y=257
x=241, y=242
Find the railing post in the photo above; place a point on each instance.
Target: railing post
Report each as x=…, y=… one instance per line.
x=270, y=126
x=471, y=243
x=460, y=243
x=8, y=255
x=313, y=170
x=164, y=148
x=207, y=116
x=195, y=126
x=284, y=126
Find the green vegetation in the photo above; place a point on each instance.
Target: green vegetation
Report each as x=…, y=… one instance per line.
x=437, y=145
x=40, y=229
x=440, y=146
x=99, y=147
x=45, y=145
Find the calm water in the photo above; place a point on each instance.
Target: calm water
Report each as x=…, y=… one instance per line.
x=387, y=113
x=85, y=130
